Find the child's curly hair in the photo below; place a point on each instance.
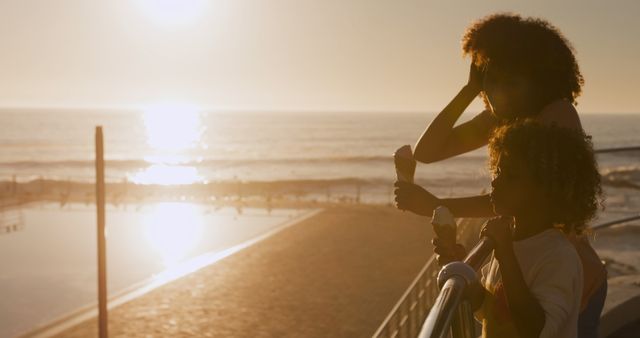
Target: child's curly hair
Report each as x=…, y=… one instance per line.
x=561, y=160
x=528, y=47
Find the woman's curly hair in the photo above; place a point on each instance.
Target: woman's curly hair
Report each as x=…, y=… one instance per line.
x=528, y=47
x=561, y=160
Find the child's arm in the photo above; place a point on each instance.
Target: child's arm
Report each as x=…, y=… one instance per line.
x=446, y=254
x=477, y=295
x=526, y=312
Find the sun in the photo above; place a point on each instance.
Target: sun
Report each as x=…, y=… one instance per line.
x=172, y=13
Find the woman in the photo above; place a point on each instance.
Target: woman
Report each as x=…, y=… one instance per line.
x=522, y=68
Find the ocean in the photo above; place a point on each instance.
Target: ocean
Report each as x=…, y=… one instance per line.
x=180, y=145
x=247, y=146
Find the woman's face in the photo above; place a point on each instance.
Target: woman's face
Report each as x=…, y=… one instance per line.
x=507, y=94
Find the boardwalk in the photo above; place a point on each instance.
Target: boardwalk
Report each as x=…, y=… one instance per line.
x=334, y=275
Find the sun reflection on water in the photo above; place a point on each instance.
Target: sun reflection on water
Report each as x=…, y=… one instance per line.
x=173, y=230
x=172, y=131
x=167, y=175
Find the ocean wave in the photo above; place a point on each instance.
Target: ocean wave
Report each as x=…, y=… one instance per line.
x=135, y=163
x=620, y=177
x=341, y=181
x=623, y=176
x=72, y=164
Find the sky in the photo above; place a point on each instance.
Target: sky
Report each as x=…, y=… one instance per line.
x=294, y=55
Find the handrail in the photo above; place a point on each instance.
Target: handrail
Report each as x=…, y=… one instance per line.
x=442, y=313
x=11, y=220
x=416, y=299
x=455, y=277
x=408, y=314
x=616, y=149
x=615, y=222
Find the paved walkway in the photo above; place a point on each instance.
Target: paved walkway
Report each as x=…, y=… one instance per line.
x=336, y=274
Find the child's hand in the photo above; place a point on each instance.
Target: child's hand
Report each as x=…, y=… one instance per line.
x=446, y=252
x=414, y=198
x=499, y=229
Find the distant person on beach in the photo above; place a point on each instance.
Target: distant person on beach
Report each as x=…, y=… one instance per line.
x=522, y=68
x=545, y=186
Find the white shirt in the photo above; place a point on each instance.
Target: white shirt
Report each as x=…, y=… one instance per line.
x=552, y=270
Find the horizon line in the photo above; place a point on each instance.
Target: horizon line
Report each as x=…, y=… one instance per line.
x=209, y=109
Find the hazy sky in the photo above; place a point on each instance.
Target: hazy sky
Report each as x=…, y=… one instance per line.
x=286, y=54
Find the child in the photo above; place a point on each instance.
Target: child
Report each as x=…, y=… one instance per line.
x=545, y=185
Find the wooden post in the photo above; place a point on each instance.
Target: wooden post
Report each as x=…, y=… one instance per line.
x=102, y=250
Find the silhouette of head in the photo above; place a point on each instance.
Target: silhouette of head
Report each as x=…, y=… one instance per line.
x=539, y=168
x=527, y=63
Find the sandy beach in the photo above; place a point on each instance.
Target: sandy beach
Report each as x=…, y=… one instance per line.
x=336, y=274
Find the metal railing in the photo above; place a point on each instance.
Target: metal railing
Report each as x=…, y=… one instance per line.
x=11, y=219
x=615, y=222
x=406, y=317
x=409, y=318
x=452, y=310
x=423, y=296
x=616, y=150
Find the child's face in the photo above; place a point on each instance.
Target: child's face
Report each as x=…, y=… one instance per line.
x=508, y=94
x=514, y=192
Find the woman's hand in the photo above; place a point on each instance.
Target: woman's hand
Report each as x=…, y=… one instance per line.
x=414, y=198
x=499, y=229
x=476, y=78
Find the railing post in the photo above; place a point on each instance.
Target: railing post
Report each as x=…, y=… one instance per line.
x=102, y=250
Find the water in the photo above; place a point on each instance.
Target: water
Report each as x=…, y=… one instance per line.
x=49, y=266
x=186, y=146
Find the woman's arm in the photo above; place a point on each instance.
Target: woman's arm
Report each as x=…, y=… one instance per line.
x=414, y=198
x=441, y=140
x=473, y=206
